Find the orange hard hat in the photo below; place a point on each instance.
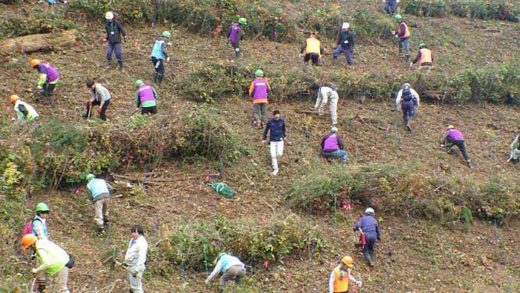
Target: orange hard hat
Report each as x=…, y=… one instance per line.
x=13, y=98
x=34, y=62
x=27, y=241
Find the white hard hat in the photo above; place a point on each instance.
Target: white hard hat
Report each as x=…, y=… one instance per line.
x=109, y=15
x=369, y=211
x=406, y=85
x=345, y=26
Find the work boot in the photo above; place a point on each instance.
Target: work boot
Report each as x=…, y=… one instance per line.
x=100, y=230
x=120, y=66
x=408, y=127
x=468, y=163
x=368, y=258
x=407, y=58
x=108, y=64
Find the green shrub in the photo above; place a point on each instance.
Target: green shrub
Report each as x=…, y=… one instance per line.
x=195, y=246
x=17, y=26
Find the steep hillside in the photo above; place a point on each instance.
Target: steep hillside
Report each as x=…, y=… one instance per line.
x=418, y=190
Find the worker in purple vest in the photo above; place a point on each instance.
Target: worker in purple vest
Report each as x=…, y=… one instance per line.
x=145, y=98
x=452, y=137
x=48, y=78
x=332, y=146
x=235, y=34
x=259, y=91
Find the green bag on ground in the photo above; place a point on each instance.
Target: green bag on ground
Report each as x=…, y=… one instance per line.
x=223, y=189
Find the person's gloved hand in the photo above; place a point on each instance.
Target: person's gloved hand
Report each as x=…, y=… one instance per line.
x=206, y=281
x=167, y=59
x=411, y=64
x=359, y=283
x=300, y=55
x=34, y=271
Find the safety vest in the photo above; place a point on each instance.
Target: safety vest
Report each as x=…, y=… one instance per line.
x=260, y=90
x=157, y=50
x=313, y=46
x=340, y=280
x=31, y=113
x=426, y=56
x=51, y=254
x=331, y=143
x=145, y=94
x=97, y=187
x=406, y=30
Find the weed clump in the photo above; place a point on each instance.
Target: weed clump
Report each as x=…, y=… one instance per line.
x=195, y=246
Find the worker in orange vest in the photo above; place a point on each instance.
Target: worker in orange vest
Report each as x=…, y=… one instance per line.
x=403, y=34
x=341, y=275
x=424, y=57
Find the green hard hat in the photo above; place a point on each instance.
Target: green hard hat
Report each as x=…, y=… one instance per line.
x=422, y=45
x=397, y=17
x=137, y=83
x=242, y=21
x=259, y=73
x=166, y=34
x=90, y=176
x=42, y=207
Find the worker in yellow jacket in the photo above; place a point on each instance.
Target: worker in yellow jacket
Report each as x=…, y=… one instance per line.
x=341, y=275
x=311, y=49
x=51, y=260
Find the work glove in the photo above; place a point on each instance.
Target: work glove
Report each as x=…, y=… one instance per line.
x=34, y=271
x=300, y=55
x=359, y=283
x=170, y=44
x=411, y=64
x=167, y=59
x=207, y=281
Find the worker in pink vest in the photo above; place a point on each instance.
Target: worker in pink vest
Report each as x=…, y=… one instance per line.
x=145, y=97
x=259, y=91
x=453, y=137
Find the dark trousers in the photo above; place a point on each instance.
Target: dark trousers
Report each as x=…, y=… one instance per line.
x=345, y=51
x=368, y=248
x=312, y=56
x=118, y=49
x=149, y=110
x=460, y=144
x=158, y=67
x=48, y=89
x=102, y=113
x=408, y=109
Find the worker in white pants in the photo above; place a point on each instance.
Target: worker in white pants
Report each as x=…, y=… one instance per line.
x=327, y=93
x=276, y=128
x=135, y=259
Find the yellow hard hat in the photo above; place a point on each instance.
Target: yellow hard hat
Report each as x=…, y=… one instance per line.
x=34, y=62
x=13, y=98
x=348, y=261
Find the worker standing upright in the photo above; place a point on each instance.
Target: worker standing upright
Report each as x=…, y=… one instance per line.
x=452, y=137
x=277, y=133
x=145, y=98
x=99, y=193
x=391, y=6
x=235, y=35
x=259, y=91
x=159, y=55
x=135, y=259
x=47, y=80
x=403, y=34
x=369, y=227
x=231, y=267
x=341, y=276
x=23, y=110
x=99, y=96
x=408, y=102
x=344, y=43
x=311, y=49
x=424, y=57
x=114, y=29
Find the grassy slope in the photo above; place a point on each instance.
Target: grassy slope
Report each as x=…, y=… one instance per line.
x=415, y=255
